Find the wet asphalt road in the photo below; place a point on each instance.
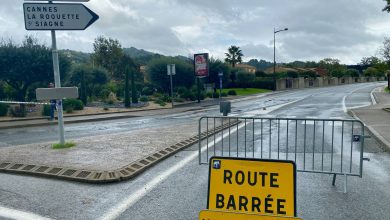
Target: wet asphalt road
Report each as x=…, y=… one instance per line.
x=177, y=187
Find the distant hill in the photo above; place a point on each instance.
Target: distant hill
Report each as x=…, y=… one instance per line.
x=140, y=56
x=76, y=56
x=136, y=53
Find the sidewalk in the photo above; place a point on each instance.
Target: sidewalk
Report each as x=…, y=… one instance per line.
x=376, y=118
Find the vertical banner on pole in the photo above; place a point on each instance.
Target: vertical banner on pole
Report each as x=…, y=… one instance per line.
x=201, y=68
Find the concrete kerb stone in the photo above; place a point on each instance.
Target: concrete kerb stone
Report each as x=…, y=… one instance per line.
x=90, y=176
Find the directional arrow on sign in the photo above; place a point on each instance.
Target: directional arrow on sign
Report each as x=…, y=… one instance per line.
x=57, y=16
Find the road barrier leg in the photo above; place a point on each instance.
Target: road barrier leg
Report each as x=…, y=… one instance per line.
x=334, y=180
x=345, y=183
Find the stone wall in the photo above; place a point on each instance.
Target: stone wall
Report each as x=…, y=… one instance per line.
x=300, y=83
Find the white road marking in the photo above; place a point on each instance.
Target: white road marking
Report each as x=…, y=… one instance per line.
x=373, y=100
x=19, y=215
x=343, y=101
x=125, y=204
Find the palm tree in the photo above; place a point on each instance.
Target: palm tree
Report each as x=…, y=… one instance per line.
x=234, y=55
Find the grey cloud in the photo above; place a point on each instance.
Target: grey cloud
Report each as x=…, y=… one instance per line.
x=317, y=28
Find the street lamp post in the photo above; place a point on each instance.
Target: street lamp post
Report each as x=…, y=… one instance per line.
x=276, y=31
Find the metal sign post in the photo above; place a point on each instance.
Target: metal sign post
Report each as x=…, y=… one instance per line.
x=220, y=74
x=56, y=16
x=171, y=70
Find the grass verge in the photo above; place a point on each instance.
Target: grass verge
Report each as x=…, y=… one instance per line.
x=62, y=146
x=387, y=89
x=247, y=91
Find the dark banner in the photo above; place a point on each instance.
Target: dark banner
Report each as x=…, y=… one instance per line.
x=201, y=64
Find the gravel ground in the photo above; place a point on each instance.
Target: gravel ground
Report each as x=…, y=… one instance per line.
x=102, y=152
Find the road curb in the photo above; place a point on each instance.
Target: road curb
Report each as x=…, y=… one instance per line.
x=90, y=176
x=385, y=145
x=67, y=122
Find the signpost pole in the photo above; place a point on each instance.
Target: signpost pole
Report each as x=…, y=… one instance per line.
x=170, y=74
x=57, y=81
x=220, y=74
x=198, y=85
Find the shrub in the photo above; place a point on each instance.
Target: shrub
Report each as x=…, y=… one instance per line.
x=216, y=95
x=46, y=110
x=223, y=94
x=74, y=104
x=178, y=100
x=232, y=92
x=18, y=111
x=106, y=109
x=209, y=94
x=181, y=90
x=143, y=99
x=147, y=90
x=166, y=98
x=160, y=102
x=111, y=98
x=104, y=93
x=69, y=109
x=3, y=109
x=188, y=95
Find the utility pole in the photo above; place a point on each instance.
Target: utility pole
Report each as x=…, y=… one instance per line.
x=274, y=74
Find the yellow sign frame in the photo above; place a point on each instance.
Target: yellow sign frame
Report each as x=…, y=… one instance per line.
x=222, y=215
x=270, y=191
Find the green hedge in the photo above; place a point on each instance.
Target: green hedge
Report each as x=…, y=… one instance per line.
x=3, y=109
x=72, y=104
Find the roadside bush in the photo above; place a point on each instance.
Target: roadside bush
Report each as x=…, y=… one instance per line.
x=147, y=90
x=223, y=94
x=188, y=95
x=112, y=98
x=202, y=96
x=74, y=104
x=178, y=100
x=209, y=94
x=46, y=110
x=245, y=78
x=69, y=109
x=181, y=90
x=104, y=93
x=3, y=109
x=232, y=92
x=18, y=111
x=216, y=95
x=160, y=102
x=144, y=99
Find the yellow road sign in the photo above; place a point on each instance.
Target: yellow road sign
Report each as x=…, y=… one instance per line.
x=252, y=186
x=220, y=215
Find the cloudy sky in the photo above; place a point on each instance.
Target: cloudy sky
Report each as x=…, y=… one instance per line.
x=343, y=29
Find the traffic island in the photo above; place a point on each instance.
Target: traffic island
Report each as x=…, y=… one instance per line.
x=104, y=158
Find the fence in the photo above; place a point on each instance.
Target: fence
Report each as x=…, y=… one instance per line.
x=329, y=146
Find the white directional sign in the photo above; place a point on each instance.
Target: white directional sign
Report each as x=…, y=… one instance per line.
x=57, y=93
x=57, y=16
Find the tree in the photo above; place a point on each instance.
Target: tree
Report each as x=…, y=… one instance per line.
x=90, y=80
x=234, y=55
x=157, y=73
x=217, y=66
x=352, y=73
x=333, y=67
x=370, y=61
x=108, y=54
x=371, y=72
x=387, y=7
x=28, y=65
x=244, y=79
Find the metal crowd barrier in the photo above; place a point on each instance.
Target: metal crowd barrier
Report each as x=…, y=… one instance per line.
x=328, y=146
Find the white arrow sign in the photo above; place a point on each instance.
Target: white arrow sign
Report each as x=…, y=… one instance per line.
x=57, y=16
